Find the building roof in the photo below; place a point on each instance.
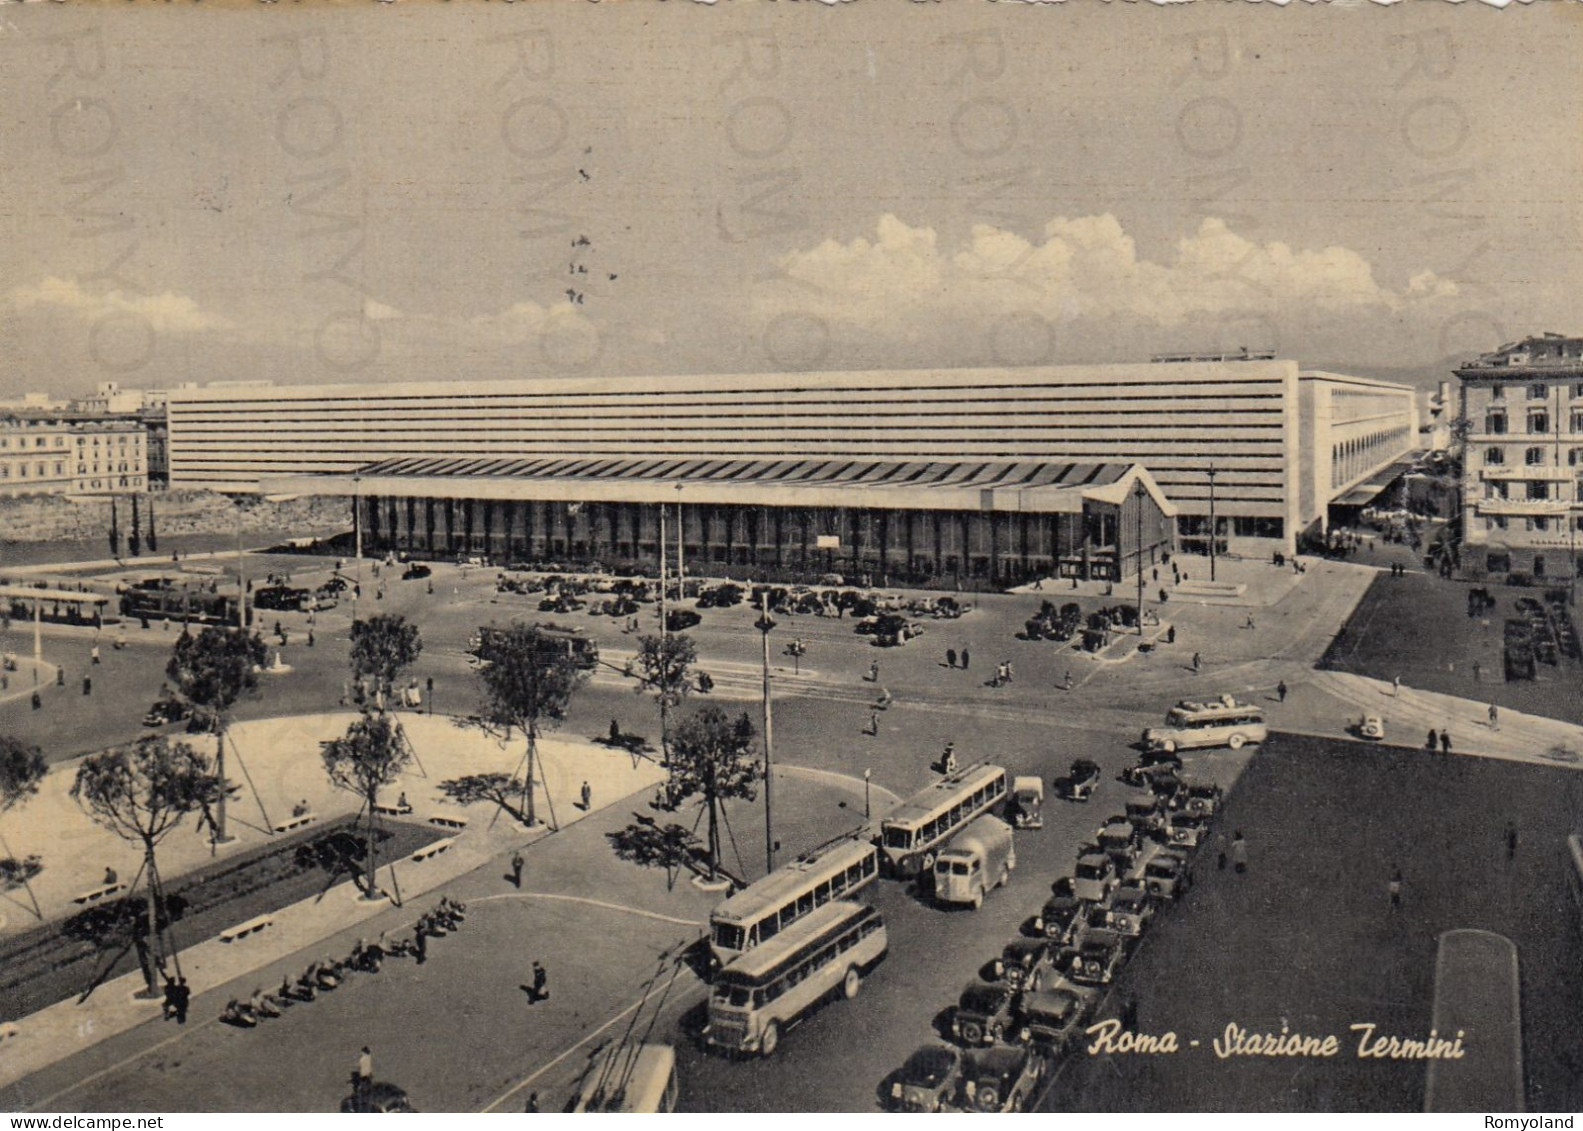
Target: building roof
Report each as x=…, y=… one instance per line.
x=1539, y=356
x=975, y=485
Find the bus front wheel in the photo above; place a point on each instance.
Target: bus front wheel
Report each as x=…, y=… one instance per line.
x=771, y=1039
x=1236, y=741
x=852, y=983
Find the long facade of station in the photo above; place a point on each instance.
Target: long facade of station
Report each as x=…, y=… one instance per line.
x=1271, y=444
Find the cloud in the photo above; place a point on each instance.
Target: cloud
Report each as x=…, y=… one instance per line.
x=1084, y=280
x=527, y=321
x=166, y=313
x=376, y=311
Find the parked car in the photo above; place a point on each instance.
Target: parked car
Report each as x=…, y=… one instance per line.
x=1158, y=780
x=983, y=1013
x=1095, y=877
x=1026, y=964
x=1062, y=913
x=1051, y=1019
x=1372, y=727
x=1186, y=830
x=1146, y=814
x=928, y=1080
x=417, y=571
x=1120, y=840
x=680, y=620
x=1100, y=952
x=1001, y=1078
x=1165, y=874
x=1129, y=910
x=1025, y=807
x=1079, y=782
x=165, y=712
x=334, y=585
x=1198, y=796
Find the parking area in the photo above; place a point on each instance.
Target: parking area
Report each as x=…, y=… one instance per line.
x=1308, y=939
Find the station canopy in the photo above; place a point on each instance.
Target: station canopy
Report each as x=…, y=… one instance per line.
x=1031, y=487
x=1378, y=483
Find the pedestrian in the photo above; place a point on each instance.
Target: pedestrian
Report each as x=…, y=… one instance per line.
x=1445, y=742
x=310, y=638
x=365, y=1075
x=93, y=654
x=1432, y=741
x=950, y=657
x=873, y=723
x=516, y=870
x=588, y=796
x=1495, y=717
x=420, y=942
x=1239, y=853
x=964, y=659
x=110, y=877
x=541, y=982
x=1394, y=888
x=1220, y=852
x=1396, y=686
x=1170, y=634
x=1475, y=671
x=1511, y=839
x=87, y=685
x=1066, y=684
x=1198, y=663
x=1249, y=622
x=1280, y=691
x=168, y=1010
x=615, y=733
x=532, y=1106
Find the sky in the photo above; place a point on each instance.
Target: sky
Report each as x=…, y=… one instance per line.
x=424, y=191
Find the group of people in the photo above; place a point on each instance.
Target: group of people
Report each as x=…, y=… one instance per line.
x=324, y=976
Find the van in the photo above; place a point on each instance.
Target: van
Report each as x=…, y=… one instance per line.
x=978, y=859
x=631, y=1078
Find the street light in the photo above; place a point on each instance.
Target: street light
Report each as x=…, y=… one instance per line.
x=764, y=626
x=357, y=540
x=1140, y=493
x=1213, y=535
x=867, y=774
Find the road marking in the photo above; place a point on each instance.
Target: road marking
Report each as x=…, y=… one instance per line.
x=590, y=903
x=49, y=1101
x=851, y=782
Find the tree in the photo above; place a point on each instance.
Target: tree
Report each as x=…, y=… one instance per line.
x=371, y=755
x=651, y=845
x=712, y=759
x=115, y=531
x=22, y=768
x=134, y=540
x=141, y=792
x=529, y=678
x=153, y=545
x=382, y=648
x=210, y=672
x=498, y=787
x=664, y=668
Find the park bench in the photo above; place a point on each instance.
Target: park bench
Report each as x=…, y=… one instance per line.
x=94, y=895
x=429, y=851
x=385, y=809
x=447, y=821
x=250, y=927
x=288, y=825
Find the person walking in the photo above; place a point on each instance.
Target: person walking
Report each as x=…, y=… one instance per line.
x=1239, y=853
x=1280, y=691
x=615, y=733
x=1396, y=686
x=1511, y=840
x=1170, y=634
x=950, y=657
x=93, y=654
x=965, y=663
x=420, y=942
x=1432, y=741
x=181, y=999
x=587, y=793
x=1220, y=852
x=1475, y=671
x=1198, y=663
x=1445, y=742
x=1394, y=888
x=541, y=982
x=1066, y=684
x=1495, y=717
x=364, y=1077
x=516, y=869
x=873, y=723
x=532, y=1106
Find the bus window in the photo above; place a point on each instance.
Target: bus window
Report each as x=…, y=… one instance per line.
x=821, y=894
x=768, y=927
x=897, y=837
x=804, y=903
x=870, y=863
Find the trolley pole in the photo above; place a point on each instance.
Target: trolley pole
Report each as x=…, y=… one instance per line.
x=769, y=734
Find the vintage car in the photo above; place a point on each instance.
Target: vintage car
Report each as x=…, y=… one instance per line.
x=1079, y=782
x=1120, y=840
x=164, y=712
x=928, y=1080
x=1025, y=807
x=1062, y=914
x=983, y=1013
x=1095, y=877
x=1001, y=1078
x=1198, y=796
x=680, y=620
x=1158, y=780
x=1372, y=727
x=1129, y=910
x=1100, y=953
x=417, y=571
x=1146, y=814
x=1165, y=875
x=1026, y=964
x=1051, y=1019
x=1186, y=830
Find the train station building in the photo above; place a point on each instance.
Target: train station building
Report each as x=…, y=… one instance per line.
x=920, y=475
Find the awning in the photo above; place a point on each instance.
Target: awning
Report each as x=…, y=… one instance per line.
x=1377, y=484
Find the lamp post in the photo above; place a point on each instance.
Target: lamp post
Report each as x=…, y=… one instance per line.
x=1213, y=533
x=241, y=574
x=867, y=774
x=357, y=540
x=764, y=626
x=1139, y=494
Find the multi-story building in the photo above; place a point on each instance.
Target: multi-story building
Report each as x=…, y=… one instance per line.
x=1270, y=443
x=1522, y=410
x=70, y=454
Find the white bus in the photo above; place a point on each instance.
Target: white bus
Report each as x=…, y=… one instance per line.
x=911, y=834
x=768, y=989
x=633, y=1078
x=764, y=909
x=1219, y=722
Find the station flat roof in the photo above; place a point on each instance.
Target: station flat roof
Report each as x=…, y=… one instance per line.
x=1053, y=486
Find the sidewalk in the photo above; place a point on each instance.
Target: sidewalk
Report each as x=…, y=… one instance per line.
x=75, y=852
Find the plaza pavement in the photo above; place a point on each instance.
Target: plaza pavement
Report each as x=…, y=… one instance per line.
x=282, y=763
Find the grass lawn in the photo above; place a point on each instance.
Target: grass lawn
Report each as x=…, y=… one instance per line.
x=1308, y=938
x=63, y=959
x=1418, y=627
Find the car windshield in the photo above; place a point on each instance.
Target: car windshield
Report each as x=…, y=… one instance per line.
x=983, y=998
x=1092, y=869
x=1049, y=1007
x=929, y=1066
x=729, y=936
x=1161, y=868
x=897, y=837
x=728, y=994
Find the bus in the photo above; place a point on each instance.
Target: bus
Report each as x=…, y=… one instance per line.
x=1219, y=722
x=770, y=988
x=170, y=601
x=912, y=834
x=631, y=1078
x=583, y=651
x=762, y=910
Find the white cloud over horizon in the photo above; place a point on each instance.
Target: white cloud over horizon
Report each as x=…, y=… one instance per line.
x=165, y=313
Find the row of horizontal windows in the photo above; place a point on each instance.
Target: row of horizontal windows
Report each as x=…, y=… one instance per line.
x=1230, y=417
